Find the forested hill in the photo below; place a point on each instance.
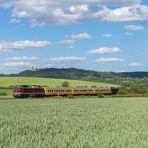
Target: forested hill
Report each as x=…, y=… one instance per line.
x=79, y=74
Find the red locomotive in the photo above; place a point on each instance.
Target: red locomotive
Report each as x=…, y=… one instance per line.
x=25, y=91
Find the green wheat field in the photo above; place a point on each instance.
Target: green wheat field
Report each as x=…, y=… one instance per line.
x=65, y=123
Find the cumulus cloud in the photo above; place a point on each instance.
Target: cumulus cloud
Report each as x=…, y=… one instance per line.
x=23, y=58
x=134, y=27
x=104, y=50
x=50, y=65
x=67, y=59
x=107, y=35
x=125, y=14
x=66, y=42
x=81, y=36
x=22, y=61
x=109, y=60
x=15, y=64
x=27, y=44
x=14, y=20
x=128, y=33
x=71, y=47
x=44, y=12
x=136, y=65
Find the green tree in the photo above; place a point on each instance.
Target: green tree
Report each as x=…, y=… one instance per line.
x=125, y=88
x=65, y=84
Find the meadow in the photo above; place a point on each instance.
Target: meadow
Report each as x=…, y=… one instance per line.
x=63, y=123
x=12, y=81
x=7, y=83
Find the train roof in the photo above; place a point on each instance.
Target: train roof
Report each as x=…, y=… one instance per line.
x=27, y=86
x=85, y=88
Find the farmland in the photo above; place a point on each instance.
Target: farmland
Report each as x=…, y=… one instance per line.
x=94, y=122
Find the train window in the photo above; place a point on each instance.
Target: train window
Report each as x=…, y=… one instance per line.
x=76, y=90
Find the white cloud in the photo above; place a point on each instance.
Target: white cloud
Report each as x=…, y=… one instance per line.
x=27, y=44
x=109, y=60
x=14, y=20
x=66, y=42
x=67, y=59
x=105, y=50
x=44, y=12
x=71, y=47
x=50, y=65
x=129, y=33
x=81, y=36
x=124, y=14
x=24, y=58
x=15, y=64
x=107, y=35
x=134, y=27
x=136, y=65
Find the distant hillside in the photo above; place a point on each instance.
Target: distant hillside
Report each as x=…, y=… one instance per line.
x=12, y=81
x=69, y=73
x=79, y=74
x=134, y=74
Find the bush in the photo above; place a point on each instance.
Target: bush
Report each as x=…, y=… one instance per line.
x=100, y=96
x=3, y=93
x=94, y=86
x=65, y=84
x=70, y=96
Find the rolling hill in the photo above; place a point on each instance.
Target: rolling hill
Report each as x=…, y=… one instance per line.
x=12, y=81
x=78, y=74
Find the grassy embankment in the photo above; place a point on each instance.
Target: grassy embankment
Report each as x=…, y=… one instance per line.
x=7, y=83
x=107, y=122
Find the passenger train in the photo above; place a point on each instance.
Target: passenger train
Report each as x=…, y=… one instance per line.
x=25, y=91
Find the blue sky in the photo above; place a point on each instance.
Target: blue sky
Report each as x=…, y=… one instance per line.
x=101, y=35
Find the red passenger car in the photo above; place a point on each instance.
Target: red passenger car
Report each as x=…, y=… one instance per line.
x=24, y=91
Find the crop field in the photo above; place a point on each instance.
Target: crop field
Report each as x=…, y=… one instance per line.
x=94, y=122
